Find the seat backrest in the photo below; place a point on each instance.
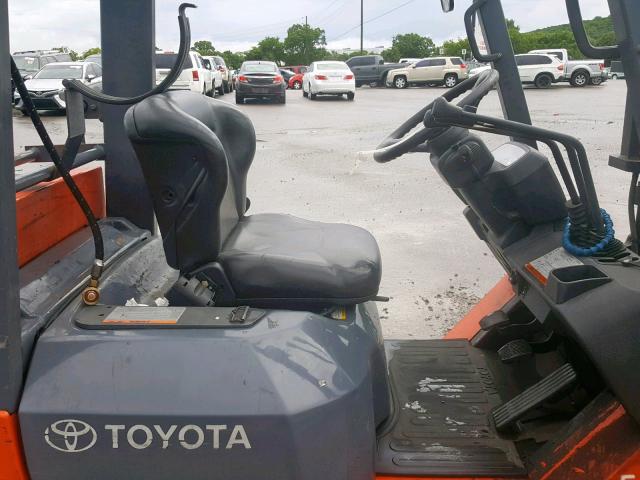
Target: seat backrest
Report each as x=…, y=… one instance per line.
x=195, y=153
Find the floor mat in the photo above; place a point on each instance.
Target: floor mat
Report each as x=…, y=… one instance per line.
x=443, y=395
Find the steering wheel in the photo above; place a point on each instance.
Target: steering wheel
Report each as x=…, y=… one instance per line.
x=399, y=142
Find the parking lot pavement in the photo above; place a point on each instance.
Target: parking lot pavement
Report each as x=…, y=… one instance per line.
x=434, y=267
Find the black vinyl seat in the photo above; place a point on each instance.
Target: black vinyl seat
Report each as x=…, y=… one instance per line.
x=195, y=154
x=270, y=257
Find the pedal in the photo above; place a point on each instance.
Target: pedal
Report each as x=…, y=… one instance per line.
x=515, y=351
x=495, y=320
x=507, y=414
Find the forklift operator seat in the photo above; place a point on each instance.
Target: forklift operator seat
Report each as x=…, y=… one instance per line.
x=195, y=155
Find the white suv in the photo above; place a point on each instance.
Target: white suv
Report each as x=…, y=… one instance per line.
x=216, y=75
x=540, y=69
x=195, y=76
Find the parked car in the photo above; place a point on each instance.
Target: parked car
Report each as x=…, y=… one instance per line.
x=410, y=60
x=329, y=78
x=227, y=77
x=295, y=82
x=194, y=76
x=540, y=70
x=287, y=75
x=578, y=72
x=301, y=69
x=447, y=71
x=260, y=79
x=46, y=89
x=30, y=62
x=371, y=69
x=616, y=71
x=97, y=58
x=216, y=75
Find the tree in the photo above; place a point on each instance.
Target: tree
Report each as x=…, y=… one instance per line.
x=233, y=60
x=204, y=48
x=409, y=45
x=453, y=48
x=304, y=44
x=91, y=51
x=270, y=48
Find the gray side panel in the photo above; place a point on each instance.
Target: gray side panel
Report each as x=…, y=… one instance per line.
x=300, y=385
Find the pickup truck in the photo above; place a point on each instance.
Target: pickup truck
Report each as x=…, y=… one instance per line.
x=371, y=69
x=578, y=72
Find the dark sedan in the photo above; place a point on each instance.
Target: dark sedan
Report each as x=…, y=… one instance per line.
x=258, y=79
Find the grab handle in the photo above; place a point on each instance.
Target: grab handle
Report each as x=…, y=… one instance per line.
x=585, y=46
x=469, y=23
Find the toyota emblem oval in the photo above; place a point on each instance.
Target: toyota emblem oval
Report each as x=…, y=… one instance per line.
x=70, y=436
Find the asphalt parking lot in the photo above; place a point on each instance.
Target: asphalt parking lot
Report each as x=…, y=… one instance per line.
x=434, y=267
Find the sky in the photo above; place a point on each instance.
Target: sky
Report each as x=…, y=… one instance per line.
x=237, y=25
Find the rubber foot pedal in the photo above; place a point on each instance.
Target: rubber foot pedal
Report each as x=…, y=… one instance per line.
x=495, y=320
x=507, y=414
x=515, y=351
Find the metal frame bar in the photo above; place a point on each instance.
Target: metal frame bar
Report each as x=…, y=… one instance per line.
x=11, y=362
x=128, y=54
x=626, y=18
x=496, y=35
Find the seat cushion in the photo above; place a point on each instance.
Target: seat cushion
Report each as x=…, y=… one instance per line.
x=274, y=259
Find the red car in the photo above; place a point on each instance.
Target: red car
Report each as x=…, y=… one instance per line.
x=298, y=68
x=295, y=82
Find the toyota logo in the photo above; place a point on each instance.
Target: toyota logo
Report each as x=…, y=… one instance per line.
x=70, y=436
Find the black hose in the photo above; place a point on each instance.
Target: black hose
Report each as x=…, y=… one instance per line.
x=562, y=167
x=64, y=173
x=176, y=70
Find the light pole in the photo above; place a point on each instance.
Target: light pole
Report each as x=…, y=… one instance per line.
x=361, y=26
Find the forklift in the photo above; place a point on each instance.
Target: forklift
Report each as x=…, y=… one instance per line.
x=153, y=328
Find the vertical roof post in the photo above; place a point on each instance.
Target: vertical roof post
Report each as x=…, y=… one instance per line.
x=11, y=365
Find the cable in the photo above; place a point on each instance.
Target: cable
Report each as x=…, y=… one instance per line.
x=30, y=108
x=373, y=19
x=172, y=76
x=328, y=15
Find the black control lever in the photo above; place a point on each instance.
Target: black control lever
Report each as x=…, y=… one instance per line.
x=445, y=114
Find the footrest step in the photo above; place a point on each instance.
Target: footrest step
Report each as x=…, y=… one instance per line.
x=506, y=415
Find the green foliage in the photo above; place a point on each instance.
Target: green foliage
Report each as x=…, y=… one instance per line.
x=304, y=44
x=233, y=60
x=409, y=45
x=270, y=48
x=204, y=48
x=453, y=48
x=91, y=51
x=600, y=31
